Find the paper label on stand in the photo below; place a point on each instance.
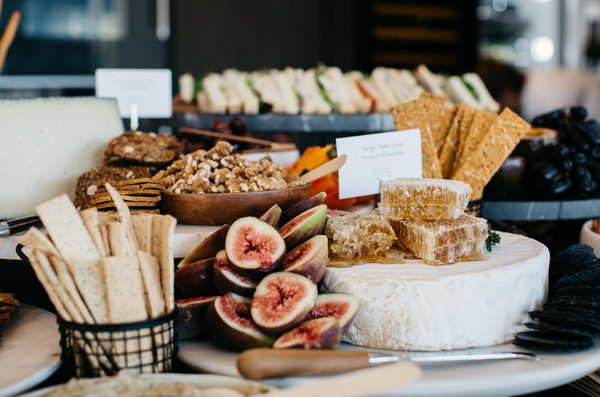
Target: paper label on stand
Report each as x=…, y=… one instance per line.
x=150, y=90
x=374, y=158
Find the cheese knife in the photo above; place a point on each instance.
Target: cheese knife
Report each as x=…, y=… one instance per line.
x=18, y=225
x=265, y=363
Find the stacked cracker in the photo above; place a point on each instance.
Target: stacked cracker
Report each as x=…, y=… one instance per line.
x=101, y=269
x=141, y=195
x=460, y=143
x=427, y=216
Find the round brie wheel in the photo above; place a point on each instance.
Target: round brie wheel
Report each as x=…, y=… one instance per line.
x=415, y=306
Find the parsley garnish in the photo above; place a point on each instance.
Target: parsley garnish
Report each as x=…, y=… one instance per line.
x=493, y=239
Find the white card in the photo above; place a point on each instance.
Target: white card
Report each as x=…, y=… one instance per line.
x=151, y=90
x=374, y=158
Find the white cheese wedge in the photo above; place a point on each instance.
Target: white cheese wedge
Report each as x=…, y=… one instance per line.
x=46, y=143
x=414, y=306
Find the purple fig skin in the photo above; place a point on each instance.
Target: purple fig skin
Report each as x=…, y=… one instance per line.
x=227, y=280
x=321, y=333
x=191, y=316
x=281, y=301
x=196, y=279
x=272, y=216
x=304, y=226
x=208, y=248
x=309, y=259
x=254, y=248
x=302, y=206
x=338, y=305
x=230, y=325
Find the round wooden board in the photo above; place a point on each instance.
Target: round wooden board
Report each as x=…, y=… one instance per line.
x=222, y=208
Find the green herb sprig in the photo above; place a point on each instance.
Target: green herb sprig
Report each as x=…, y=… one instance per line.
x=492, y=239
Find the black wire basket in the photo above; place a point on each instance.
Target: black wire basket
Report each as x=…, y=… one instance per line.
x=91, y=350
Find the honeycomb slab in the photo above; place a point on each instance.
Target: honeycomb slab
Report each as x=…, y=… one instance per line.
x=442, y=242
x=413, y=198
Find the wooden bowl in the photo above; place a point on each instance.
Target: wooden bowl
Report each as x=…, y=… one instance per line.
x=221, y=208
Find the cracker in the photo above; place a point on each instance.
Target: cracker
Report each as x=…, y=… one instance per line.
x=142, y=224
x=129, y=188
x=36, y=240
x=451, y=144
x=129, y=200
x=112, y=205
x=412, y=115
x=66, y=280
x=125, y=216
x=76, y=246
x=481, y=124
x=465, y=126
x=119, y=244
x=124, y=290
x=90, y=220
x=440, y=117
x=150, y=269
x=495, y=147
x=131, y=192
x=136, y=182
x=167, y=265
x=105, y=238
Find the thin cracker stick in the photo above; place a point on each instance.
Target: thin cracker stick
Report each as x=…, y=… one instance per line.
x=125, y=217
x=90, y=220
x=119, y=245
x=9, y=35
x=166, y=260
x=142, y=224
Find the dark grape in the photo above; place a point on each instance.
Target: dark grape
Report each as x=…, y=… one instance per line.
x=578, y=113
x=560, y=151
x=561, y=186
x=565, y=165
x=590, y=134
x=549, y=172
x=595, y=152
x=578, y=158
x=549, y=120
x=577, y=139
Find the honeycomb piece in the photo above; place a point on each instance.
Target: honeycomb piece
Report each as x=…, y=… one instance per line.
x=442, y=242
x=412, y=198
x=358, y=235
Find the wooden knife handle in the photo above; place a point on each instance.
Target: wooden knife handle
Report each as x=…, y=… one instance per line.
x=267, y=363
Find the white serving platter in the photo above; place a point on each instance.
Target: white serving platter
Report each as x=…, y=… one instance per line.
x=29, y=349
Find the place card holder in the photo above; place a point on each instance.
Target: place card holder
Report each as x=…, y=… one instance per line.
x=91, y=350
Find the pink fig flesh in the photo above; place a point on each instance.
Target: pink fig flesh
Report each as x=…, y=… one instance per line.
x=281, y=301
x=321, y=333
x=226, y=279
x=272, y=216
x=338, y=305
x=229, y=323
x=301, y=207
x=304, y=226
x=208, y=248
x=196, y=279
x=191, y=316
x=254, y=248
x=309, y=259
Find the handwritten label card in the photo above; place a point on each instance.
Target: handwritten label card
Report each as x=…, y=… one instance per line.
x=150, y=90
x=378, y=157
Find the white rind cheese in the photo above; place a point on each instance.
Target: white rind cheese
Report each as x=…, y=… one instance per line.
x=46, y=143
x=414, y=306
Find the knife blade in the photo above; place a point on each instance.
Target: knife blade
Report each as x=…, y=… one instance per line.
x=265, y=363
x=18, y=225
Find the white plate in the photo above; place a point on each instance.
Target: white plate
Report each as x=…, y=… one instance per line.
x=29, y=349
x=476, y=378
x=201, y=380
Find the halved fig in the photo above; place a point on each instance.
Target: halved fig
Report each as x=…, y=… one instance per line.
x=301, y=207
x=191, y=316
x=229, y=323
x=272, y=216
x=321, y=333
x=227, y=280
x=309, y=259
x=304, y=226
x=208, y=248
x=341, y=306
x=254, y=248
x=281, y=301
x=196, y=279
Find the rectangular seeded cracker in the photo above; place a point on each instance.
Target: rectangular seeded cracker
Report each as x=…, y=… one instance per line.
x=464, y=115
x=92, y=224
x=124, y=290
x=412, y=115
x=440, y=117
x=465, y=126
x=119, y=244
x=125, y=217
x=151, y=276
x=70, y=237
x=495, y=147
x=142, y=224
x=166, y=230
x=482, y=121
x=33, y=239
x=66, y=280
